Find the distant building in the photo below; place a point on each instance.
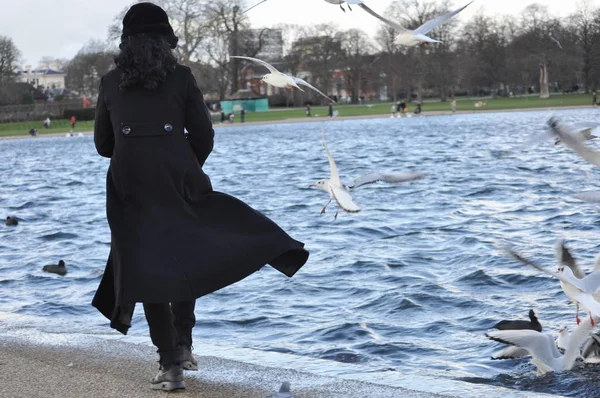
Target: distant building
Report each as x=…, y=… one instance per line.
x=42, y=78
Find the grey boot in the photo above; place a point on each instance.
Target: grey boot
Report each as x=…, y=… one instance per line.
x=188, y=362
x=169, y=378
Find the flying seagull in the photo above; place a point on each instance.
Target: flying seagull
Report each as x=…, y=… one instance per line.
x=568, y=135
x=556, y=41
x=340, y=2
x=348, y=2
x=339, y=191
x=278, y=79
x=335, y=188
x=582, y=131
x=418, y=36
x=578, y=290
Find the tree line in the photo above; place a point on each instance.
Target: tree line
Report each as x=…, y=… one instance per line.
x=485, y=55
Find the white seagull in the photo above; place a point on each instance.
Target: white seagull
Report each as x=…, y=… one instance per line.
x=340, y=2
x=564, y=257
x=335, y=188
x=578, y=290
x=582, y=131
x=279, y=79
x=339, y=191
x=568, y=136
x=556, y=41
x=541, y=346
x=408, y=37
x=515, y=352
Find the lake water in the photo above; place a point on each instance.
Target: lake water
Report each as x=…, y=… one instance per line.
x=411, y=283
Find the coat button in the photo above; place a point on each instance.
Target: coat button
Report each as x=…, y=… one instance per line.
x=126, y=130
x=168, y=127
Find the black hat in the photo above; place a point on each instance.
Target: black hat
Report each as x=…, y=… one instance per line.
x=148, y=18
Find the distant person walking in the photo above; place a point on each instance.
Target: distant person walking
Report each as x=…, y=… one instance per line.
x=402, y=108
x=47, y=123
x=173, y=239
x=453, y=105
x=73, y=123
x=242, y=116
x=594, y=99
x=418, y=110
x=307, y=110
x=330, y=113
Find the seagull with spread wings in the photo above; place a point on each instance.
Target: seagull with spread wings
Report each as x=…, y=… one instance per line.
x=407, y=37
x=338, y=191
x=279, y=79
x=340, y=2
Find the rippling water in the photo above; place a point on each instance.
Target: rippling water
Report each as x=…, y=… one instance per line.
x=410, y=283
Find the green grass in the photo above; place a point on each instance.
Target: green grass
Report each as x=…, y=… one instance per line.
x=275, y=114
x=461, y=105
x=56, y=126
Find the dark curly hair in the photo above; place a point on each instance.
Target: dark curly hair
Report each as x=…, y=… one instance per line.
x=146, y=60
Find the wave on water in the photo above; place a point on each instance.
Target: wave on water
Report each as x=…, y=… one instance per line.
x=411, y=283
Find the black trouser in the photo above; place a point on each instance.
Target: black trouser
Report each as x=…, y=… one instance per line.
x=171, y=328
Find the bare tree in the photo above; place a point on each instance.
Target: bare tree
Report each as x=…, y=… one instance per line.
x=87, y=67
x=226, y=18
x=9, y=55
x=356, y=48
x=483, y=50
x=586, y=26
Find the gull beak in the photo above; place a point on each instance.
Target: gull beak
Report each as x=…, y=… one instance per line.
x=312, y=185
x=561, y=330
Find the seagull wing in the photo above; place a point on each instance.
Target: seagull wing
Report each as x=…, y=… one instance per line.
x=270, y=67
x=539, y=345
x=254, y=6
x=590, y=283
x=567, y=137
x=564, y=257
x=304, y=83
x=390, y=178
x=334, y=177
x=556, y=41
x=343, y=199
x=581, y=332
x=590, y=196
x=434, y=23
x=511, y=352
x=568, y=279
x=583, y=126
x=393, y=24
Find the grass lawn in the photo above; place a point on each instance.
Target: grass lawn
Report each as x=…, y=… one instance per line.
x=63, y=126
x=56, y=126
x=461, y=105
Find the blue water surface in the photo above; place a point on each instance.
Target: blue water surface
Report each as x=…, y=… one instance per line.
x=411, y=283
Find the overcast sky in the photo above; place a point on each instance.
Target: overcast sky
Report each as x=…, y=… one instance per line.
x=59, y=28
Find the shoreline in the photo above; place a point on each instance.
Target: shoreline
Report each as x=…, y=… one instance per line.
x=316, y=119
x=43, y=361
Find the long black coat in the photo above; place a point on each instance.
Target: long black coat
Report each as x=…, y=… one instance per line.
x=172, y=237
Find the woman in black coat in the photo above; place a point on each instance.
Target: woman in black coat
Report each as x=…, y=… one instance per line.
x=173, y=239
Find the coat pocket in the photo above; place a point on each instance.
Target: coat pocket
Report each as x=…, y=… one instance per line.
x=147, y=129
